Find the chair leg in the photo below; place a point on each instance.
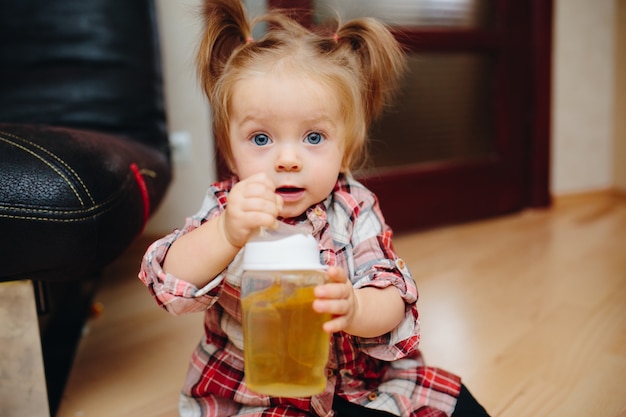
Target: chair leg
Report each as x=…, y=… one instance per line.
x=22, y=379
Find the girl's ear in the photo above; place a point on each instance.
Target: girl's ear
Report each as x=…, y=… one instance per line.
x=345, y=164
x=230, y=164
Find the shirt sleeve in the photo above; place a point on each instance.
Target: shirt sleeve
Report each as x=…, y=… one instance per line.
x=176, y=295
x=376, y=264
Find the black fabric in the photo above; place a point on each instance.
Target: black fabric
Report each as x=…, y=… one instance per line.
x=467, y=406
x=345, y=408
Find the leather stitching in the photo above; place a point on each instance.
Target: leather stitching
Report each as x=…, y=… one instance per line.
x=86, y=213
x=51, y=166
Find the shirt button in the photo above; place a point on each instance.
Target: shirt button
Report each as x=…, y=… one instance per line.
x=329, y=372
x=318, y=211
x=372, y=396
x=400, y=263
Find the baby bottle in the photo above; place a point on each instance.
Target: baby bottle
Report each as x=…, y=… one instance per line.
x=285, y=347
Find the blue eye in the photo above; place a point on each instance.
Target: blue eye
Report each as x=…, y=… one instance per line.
x=314, y=138
x=261, y=139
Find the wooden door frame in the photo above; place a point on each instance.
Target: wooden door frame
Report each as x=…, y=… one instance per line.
x=516, y=175
x=540, y=136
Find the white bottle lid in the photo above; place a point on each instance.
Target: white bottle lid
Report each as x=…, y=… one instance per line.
x=279, y=252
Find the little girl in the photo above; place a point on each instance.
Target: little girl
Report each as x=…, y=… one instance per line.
x=291, y=112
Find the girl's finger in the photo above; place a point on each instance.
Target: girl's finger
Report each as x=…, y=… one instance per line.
x=337, y=274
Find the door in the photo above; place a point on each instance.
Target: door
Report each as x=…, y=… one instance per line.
x=468, y=135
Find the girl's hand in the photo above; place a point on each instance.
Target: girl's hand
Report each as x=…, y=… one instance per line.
x=337, y=298
x=252, y=203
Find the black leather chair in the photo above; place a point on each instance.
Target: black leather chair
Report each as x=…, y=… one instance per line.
x=84, y=162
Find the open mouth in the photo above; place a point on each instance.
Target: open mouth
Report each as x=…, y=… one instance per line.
x=290, y=193
x=288, y=190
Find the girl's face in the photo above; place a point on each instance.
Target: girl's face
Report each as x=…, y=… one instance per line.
x=289, y=128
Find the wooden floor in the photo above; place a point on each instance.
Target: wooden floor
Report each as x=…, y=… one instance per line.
x=530, y=309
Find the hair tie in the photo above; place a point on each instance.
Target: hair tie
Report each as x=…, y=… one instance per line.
x=336, y=37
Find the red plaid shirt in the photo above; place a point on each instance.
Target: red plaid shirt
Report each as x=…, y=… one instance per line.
x=385, y=373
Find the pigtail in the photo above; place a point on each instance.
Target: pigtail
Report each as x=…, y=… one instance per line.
x=382, y=60
x=226, y=29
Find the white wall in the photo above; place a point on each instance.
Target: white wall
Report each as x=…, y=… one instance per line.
x=619, y=135
x=187, y=112
x=588, y=140
x=583, y=83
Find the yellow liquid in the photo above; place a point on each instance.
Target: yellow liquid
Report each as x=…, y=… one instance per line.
x=285, y=348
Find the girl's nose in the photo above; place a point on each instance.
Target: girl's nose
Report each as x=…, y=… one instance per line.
x=288, y=160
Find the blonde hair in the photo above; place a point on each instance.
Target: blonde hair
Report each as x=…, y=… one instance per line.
x=361, y=62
